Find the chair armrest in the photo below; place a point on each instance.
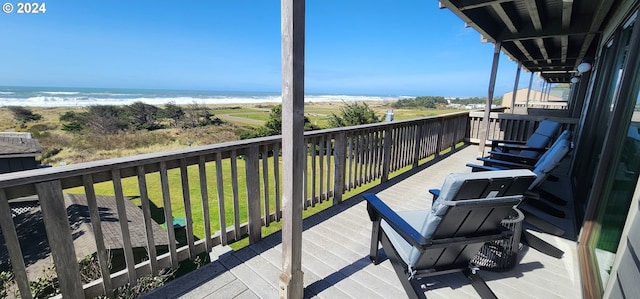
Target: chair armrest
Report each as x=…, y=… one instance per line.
x=504, y=233
x=495, y=143
x=505, y=164
x=513, y=157
x=435, y=193
x=378, y=209
x=475, y=167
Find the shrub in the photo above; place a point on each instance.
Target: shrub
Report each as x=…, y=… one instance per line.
x=353, y=114
x=23, y=115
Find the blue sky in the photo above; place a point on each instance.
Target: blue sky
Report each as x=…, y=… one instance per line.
x=408, y=47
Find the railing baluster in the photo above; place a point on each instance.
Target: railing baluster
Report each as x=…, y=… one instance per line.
x=329, y=153
x=124, y=226
x=94, y=213
x=417, y=145
x=221, y=208
x=13, y=247
x=265, y=184
x=305, y=174
x=236, y=197
x=276, y=179
x=168, y=217
x=186, y=198
x=361, y=161
x=340, y=148
x=321, y=153
x=313, y=173
x=349, y=154
x=54, y=214
x=204, y=196
x=386, y=159
x=369, y=159
x=253, y=194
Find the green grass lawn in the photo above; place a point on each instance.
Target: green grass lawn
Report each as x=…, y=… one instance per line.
x=154, y=189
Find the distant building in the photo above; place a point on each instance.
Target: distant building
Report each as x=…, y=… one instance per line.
x=534, y=96
x=18, y=151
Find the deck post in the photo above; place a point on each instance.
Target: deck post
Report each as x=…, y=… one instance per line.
x=487, y=109
x=515, y=87
x=293, y=148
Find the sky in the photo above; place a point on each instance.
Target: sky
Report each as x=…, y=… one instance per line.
x=376, y=47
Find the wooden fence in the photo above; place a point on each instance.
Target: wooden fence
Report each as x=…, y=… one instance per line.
x=217, y=194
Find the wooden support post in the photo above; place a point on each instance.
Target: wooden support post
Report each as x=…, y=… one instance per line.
x=487, y=109
x=526, y=106
x=340, y=160
x=252, y=169
x=293, y=147
x=515, y=87
x=56, y=222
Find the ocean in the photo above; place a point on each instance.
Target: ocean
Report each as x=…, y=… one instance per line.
x=66, y=97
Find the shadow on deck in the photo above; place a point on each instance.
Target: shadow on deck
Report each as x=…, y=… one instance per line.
x=336, y=261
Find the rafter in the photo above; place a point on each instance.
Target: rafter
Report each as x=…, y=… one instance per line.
x=535, y=14
x=506, y=19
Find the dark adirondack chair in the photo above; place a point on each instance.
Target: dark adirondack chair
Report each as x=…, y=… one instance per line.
x=510, y=160
x=534, y=197
x=535, y=145
x=445, y=238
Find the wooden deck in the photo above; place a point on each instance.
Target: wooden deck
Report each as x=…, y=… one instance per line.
x=336, y=264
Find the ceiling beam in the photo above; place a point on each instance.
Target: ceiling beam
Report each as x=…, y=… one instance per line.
x=506, y=19
x=567, y=10
x=535, y=14
x=601, y=11
x=543, y=49
x=525, y=52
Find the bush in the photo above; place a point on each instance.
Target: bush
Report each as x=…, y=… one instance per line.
x=353, y=114
x=23, y=115
x=430, y=102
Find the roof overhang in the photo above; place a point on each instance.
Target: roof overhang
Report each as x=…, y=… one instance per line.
x=551, y=37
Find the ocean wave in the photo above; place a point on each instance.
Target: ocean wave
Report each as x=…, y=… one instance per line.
x=59, y=92
x=87, y=100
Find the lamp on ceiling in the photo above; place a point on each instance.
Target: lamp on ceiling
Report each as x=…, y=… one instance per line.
x=584, y=67
x=575, y=80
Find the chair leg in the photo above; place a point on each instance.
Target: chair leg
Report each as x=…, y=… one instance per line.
x=541, y=223
x=375, y=240
x=479, y=284
x=413, y=291
x=552, y=197
x=547, y=208
x=540, y=245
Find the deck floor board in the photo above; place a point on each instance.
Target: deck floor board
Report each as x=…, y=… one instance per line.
x=336, y=247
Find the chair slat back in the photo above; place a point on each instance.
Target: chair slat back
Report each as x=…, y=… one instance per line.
x=479, y=217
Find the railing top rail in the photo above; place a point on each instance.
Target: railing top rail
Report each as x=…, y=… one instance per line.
x=568, y=120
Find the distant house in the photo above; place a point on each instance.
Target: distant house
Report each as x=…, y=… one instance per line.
x=18, y=151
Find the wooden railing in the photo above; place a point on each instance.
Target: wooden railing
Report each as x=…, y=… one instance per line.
x=217, y=194
x=506, y=126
